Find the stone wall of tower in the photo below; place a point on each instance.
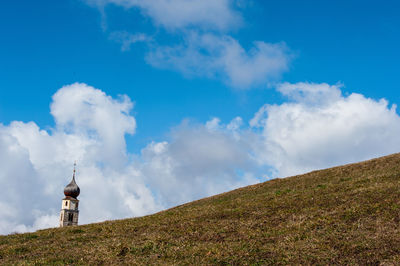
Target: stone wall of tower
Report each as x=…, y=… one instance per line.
x=69, y=212
x=65, y=218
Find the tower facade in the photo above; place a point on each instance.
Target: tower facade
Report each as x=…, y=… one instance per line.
x=69, y=208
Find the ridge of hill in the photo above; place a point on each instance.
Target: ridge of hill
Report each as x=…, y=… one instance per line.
x=343, y=215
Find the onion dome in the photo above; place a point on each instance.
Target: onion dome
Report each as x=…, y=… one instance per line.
x=72, y=189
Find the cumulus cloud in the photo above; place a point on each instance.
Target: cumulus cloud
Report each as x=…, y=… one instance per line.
x=84, y=110
x=200, y=161
x=178, y=14
x=91, y=127
x=216, y=56
x=17, y=177
x=36, y=164
x=320, y=128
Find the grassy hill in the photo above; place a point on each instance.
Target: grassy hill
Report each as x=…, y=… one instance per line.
x=347, y=215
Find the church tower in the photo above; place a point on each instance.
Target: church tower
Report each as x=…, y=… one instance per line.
x=69, y=209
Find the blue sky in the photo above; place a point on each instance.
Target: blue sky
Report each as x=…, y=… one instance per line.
x=48, y=44
x=162, y=102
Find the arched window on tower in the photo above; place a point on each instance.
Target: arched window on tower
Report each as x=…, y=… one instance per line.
x=70, y=217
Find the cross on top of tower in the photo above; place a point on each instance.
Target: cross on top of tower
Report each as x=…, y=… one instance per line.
x=74, y=169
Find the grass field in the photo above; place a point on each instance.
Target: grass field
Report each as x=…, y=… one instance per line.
x=342, y=215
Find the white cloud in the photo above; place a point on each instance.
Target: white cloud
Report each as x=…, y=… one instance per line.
x=91, y=127
x=199, y=161
x=178, y=14
x=83, y=110
x=322, y=128
x=17, y=177
x=36, y=164
x=311, y=93
x=205, y=51
x=128, y=39
x=223, y=57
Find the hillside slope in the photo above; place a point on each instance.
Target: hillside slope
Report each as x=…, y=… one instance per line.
x=347, y=214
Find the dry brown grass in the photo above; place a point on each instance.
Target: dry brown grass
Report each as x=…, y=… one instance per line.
x=343, y=215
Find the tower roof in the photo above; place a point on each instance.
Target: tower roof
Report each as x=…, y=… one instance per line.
x=72, y=189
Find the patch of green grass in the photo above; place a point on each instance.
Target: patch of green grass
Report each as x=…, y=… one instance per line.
x=21, y=250
x=31, y=236
x=77, y=231
x=281, y=192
